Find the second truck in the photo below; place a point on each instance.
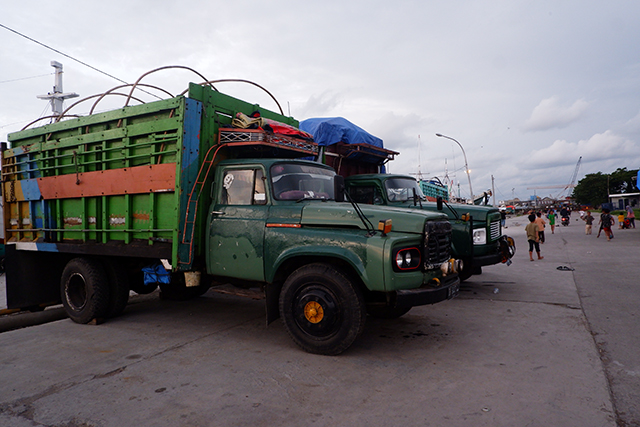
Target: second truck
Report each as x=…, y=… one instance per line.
x=360, y=158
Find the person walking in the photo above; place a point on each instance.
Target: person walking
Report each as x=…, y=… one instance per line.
x=588, y=218
x=606, y=221
x=541, y=223
x=551, y=216
x=532, y=237
x=620, y=220
x=631, y=216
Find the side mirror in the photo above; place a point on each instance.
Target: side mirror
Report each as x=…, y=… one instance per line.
x=338, y=188
x=439, y=203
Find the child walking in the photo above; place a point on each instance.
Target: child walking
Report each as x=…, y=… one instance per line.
x=606, y=221
x=541, y=222
x=589, y=220
x=551, y=216
x=533, y=237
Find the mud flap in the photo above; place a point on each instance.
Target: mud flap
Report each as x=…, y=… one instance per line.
x=272, y=301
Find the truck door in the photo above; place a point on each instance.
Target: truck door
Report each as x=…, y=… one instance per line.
x=237, y=223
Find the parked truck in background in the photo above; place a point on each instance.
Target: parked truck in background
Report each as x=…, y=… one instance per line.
x=92, y=202
x=361, y=158
x=477, y=232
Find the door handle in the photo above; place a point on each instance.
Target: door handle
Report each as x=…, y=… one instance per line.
x=217, y=213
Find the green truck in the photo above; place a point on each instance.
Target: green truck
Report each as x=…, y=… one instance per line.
x=477, y=233
x=170, y=193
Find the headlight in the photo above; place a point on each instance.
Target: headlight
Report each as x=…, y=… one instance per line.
x=399, y=260
x=480, y=236
x=407, y=259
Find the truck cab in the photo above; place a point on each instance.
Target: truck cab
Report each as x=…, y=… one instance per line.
x=477, y=233
x=281, y=225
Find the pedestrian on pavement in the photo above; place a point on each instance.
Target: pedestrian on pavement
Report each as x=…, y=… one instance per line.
x=606, y=221
x=541, y=223
x=588, y=218
x=551, y=216
x=620, y=220
x=631, y=216
x=533, y=237
x=503, y=218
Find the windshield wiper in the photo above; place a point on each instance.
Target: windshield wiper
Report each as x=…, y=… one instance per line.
x=416, y=197
x=367, y=224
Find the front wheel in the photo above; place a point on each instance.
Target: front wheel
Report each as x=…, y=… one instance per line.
x=467, y=270
x=321, y=309
x=84, y=290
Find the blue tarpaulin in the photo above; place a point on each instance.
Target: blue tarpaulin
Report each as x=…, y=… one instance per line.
x=331, y=130
x=156, y=273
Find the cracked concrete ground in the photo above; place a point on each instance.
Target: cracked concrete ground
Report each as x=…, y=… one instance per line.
x=522, y=345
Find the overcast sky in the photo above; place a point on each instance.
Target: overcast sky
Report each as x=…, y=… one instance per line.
x=527, y=87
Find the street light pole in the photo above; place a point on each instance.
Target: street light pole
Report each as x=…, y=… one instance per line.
x=466, y=165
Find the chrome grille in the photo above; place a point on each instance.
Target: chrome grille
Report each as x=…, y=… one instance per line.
x=495, y=230
x=437, y=243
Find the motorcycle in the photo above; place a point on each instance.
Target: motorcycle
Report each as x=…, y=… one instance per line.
x=565, y=220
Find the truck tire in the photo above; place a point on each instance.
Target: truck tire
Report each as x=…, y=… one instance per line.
x=321, y=309
x=118, y=288
x=467, y=270
x=386, y=312
x=136, y=282
x=84, y=290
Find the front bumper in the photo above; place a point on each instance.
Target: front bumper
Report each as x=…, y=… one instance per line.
x=449, y=288
x=480, y=261
x=506, y=250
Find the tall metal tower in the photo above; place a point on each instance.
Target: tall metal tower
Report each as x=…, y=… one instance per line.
x=57, y=97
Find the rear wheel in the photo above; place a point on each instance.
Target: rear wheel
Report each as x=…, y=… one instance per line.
x=84, y=290
x=136, y=282
x=321, y=309
x=118, y=288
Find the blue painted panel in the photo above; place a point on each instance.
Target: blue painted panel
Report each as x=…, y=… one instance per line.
x=30, y=189
x=190, y=166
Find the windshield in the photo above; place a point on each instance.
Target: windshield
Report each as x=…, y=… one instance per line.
x=298, y=182
x=401, y=189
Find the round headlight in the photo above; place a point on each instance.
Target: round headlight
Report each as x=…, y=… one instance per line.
x=399, y=260
x=407, y=258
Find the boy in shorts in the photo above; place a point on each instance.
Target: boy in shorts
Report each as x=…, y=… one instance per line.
x=533, y=237
x=606, y=221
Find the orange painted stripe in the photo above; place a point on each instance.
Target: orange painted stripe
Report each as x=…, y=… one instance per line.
x=275, y=225
x=135, y=180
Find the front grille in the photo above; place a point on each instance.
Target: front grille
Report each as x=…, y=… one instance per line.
x=437, y=243
x=495, y=230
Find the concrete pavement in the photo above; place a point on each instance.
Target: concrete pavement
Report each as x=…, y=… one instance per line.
x=516, y=348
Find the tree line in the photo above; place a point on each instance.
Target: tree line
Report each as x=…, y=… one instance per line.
x=594, y=188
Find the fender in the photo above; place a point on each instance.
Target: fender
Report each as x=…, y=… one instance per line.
x=341, y=253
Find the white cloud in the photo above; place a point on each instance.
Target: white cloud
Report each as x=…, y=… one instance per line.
x=549, y=114
x=397, y=70
x=602, y=146
x=632, y=125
